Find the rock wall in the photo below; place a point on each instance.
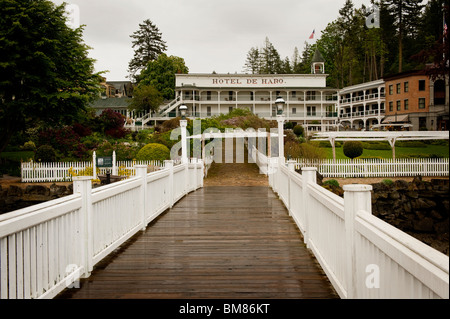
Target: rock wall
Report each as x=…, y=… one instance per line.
x=416, y=206
x=419, y=208
x=15, y=197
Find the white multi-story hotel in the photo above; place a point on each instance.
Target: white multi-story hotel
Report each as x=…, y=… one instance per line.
x=362, y=106
x=308, y=101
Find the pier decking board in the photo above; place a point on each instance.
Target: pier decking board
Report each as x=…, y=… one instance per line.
x=218, y=242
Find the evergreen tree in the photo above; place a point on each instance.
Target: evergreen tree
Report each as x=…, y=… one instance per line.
x=148, y=45
x=45, y=72
x=253, y=61
x=271, y=61
x=296, y=62
x=406, y=15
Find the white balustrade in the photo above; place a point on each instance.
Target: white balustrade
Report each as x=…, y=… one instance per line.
x=48, y=247
x=362, y=256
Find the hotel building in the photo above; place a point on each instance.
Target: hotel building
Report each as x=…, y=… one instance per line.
x=362, y=106
x=409, y=100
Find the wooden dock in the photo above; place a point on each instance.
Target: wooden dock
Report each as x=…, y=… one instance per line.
x=226, y=242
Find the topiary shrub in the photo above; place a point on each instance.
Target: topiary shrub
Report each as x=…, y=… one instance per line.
x=299, y=130
x=353, y=149
x=153, y=152
x=45, y=153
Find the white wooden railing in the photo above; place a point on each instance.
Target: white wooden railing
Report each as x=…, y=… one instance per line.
x=48, y=247
x=33, y=172
x=259, y=159
x=378, y=167
x=363, y=256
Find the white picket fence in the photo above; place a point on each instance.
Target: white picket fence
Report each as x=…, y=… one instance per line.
x=363, y=256
x=47, y=247
x=33, y=172
x=378, y=167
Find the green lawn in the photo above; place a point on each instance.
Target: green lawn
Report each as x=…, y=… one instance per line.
x=439, y=150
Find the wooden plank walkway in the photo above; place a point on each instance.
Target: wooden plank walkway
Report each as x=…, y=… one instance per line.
x=218, y=242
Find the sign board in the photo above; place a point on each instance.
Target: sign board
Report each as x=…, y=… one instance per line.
x=104, y=161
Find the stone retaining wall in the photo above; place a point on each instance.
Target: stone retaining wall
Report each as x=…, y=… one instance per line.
x=14, y=197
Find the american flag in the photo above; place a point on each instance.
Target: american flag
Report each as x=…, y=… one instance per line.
x=445, y=28
x=312, y=34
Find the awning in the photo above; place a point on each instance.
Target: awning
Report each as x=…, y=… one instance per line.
x=396, y=119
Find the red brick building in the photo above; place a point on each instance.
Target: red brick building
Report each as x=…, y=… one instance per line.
x=411, y=97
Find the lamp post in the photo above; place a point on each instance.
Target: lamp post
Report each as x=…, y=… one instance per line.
x=183, y=124
x=279, y=103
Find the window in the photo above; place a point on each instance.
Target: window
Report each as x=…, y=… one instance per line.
x=230, y=96
x=421, y=103
x=252, y=96
x=294, y=94
x=399, y=105
x=399, y=88
x=294, y=110
x=406, y=87
x=208, y=111
x=406, y=104
x=230, y=109
x=391, y=106
x=311, y=111
x=208, y=95
x=421, y=85
x=391, y=89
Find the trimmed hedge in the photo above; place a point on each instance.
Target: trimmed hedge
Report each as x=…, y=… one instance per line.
x=153, y=152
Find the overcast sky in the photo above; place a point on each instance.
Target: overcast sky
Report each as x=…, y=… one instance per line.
x=211, y=35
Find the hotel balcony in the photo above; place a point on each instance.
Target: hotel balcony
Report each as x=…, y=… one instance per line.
x=362, y=114
x=361, y=99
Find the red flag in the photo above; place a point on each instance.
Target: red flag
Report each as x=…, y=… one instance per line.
x=312, y=34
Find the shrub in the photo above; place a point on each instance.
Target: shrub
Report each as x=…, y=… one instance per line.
x=289, y=126
x=376, y=146
x=64, y=141
x=124, y=151
x=299, y=130
x=164, y=139
x=45, y=153
x=81, y=130
x=414, y=144
x=387, y=182
x=153, y=152
x=29, y=146
x=331, y=182
x=292, y=149
x=309, y=151
x=111, y=122
x=353, y=149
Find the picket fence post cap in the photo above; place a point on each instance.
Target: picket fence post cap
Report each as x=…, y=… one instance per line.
x=81, y=178
x=357, y=188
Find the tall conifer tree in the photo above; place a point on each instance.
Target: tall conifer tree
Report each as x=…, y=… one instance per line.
x=148, y=45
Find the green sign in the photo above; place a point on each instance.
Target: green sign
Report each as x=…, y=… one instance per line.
x=104, y=161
